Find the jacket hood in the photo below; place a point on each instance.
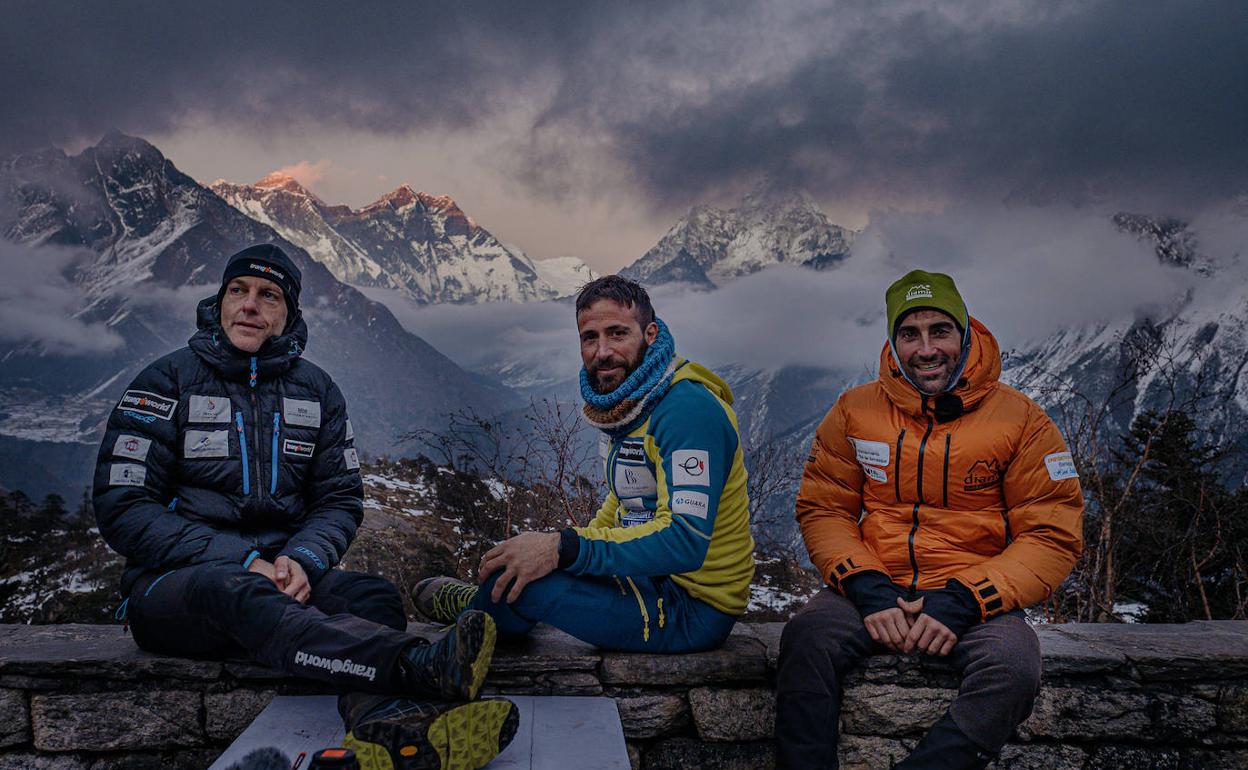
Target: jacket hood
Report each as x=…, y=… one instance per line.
x=980, y=373
x=273, y=358
x=699, y=373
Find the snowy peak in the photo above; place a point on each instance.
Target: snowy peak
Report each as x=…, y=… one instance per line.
x=421, y=244
x=1171, y=238
x=772, y=225
x=279, y=181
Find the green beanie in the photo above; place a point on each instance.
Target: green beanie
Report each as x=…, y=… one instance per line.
x=921, y=290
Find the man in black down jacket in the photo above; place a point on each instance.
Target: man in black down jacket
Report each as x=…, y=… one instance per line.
x=228, y=478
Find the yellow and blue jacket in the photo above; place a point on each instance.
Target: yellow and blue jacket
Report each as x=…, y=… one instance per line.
x=677, y=504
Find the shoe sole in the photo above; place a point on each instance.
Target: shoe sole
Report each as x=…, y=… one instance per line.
x=464, y=738
x=480, y=665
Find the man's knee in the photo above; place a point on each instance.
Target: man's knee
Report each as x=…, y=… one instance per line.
x=375, y=598
x=1012, y=655
x=822, y=630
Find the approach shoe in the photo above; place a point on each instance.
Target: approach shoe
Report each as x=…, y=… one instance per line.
x=454, y=667
x=407, y=734
x=442, y=599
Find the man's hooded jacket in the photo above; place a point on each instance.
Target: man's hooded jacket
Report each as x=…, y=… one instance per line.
x=216, y=455
x=989, y=499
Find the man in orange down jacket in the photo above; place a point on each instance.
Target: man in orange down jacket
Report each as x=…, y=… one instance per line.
x=936, y=503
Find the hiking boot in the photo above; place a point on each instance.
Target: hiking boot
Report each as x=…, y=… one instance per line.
x=442, y=599
x=407, y=734
x=946, y=747
x=454, y=667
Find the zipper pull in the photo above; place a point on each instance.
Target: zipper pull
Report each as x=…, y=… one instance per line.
x=252, y=380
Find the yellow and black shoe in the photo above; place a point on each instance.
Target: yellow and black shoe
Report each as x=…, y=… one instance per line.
x=455, y=666
x=442, y=599
x=406, y=734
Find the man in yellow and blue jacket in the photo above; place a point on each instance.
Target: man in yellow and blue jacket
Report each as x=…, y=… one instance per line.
x=666, y=563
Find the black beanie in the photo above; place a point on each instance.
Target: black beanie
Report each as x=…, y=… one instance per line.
x=266, y=261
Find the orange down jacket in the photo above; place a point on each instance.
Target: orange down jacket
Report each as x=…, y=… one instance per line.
x=989, y=499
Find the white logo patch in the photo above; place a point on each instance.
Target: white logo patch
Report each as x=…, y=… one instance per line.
x=336, y=665
x=298, y=448
x=633, y=504
x=134, y=447
x=604, y=446
x=695, y=504
x=305, y=413
x=634, y=481
x=633, y=518
x=209, y=409
x=691, y=467
x=206, y=443
x=873, y=452
x=876, y=474
x=1061, y=466
x=351, y=458
x=919, y=291
x=126, y=475
x=350, y=431
x=146, y=402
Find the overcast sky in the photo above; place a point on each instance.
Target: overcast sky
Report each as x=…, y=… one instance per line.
x=586, y=128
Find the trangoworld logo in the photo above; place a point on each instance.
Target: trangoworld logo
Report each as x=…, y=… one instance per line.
x=266, y=269
x=984, y=474
x=336, y=665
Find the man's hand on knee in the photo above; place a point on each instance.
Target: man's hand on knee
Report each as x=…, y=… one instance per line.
x=888, y=627
x=927, y=634
x=524, y=558
x=291, y=579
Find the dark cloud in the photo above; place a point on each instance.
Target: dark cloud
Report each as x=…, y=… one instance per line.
x=1142, y=104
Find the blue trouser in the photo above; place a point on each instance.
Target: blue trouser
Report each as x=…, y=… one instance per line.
x=630, y=614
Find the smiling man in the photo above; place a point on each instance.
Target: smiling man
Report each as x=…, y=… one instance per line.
x=936, y=503
x=665, y=565
x=228, y=478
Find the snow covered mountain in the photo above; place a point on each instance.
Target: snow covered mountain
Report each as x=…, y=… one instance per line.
x=566, y=275
x=709, y=246
x=422, y=245
x=115, y=246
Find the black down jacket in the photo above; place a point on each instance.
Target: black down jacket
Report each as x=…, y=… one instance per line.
x=212, y=454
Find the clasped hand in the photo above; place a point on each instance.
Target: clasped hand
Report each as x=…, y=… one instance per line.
x=905, y=629
x=287, y=574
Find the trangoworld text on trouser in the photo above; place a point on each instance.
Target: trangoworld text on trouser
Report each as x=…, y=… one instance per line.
x=631, y=614
x=350, y=632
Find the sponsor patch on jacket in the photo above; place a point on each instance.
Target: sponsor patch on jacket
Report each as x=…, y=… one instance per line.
x=134, y=447
x=152, y=404
x=631, y=452
x=209, y=409
x=298, y=412
x=206, y=443
x=983, y=474
x=695, y=504
x=350, y=431
x=1061, y=466
x=126, y=475
x=298, y=448
x=351, y=458
x=691, y=466
x=634, y=481
x=874, y=473
x=870, y=452
x=633, y=503
x=634, y=518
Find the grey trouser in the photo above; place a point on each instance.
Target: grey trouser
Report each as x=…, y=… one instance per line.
x=999, y=661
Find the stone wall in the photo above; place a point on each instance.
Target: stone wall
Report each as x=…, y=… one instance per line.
x=1115, y=696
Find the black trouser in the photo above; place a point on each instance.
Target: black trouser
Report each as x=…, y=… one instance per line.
x=350, y=633
x=999, y=661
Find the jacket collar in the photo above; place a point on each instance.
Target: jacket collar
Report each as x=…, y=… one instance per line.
x=273, y=358
x=981, y=369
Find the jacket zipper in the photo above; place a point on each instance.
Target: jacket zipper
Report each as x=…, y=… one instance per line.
x=914, y=530
x=277, y=429
x=945, y=488
x=897, y=466
x=242, y=446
